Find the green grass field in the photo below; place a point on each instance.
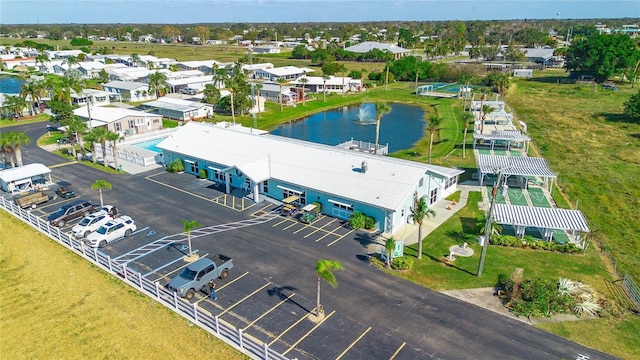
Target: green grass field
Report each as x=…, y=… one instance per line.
x=596, y=152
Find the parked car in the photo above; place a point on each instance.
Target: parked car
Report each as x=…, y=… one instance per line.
x=113, y=230
x=32, y=200
x=51, y=127
x=188, y=91
x=199, y=274
x=90, y=224
x=71, y=211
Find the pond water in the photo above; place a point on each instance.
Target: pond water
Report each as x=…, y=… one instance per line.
x=10, y=84
x=401, y=128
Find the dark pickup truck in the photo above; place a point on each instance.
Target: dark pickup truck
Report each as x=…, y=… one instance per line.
x=200, y=273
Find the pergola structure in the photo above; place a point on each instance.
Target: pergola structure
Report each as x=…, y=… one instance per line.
x=503, y=138
x=522, y=167
x=546, y=220
x=424, y=89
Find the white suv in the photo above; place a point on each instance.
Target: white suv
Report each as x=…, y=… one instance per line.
x=90, y=224
x=112, y=230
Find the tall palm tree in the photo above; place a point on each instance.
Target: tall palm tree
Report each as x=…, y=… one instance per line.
x=34, y=91
x=157, y=83
x=466, y=117
x=433, y=126
x=483, y=98
x=324, y=270
x=6, y=146
x=76, y=127
x=18, y=139
x=281, y=82
x=324, y=87
x=382, y=108
x=42, y=58
x=219, y=76
x=14, y=105
x=233, y=114
x=99, y=185
x=258, y=88
x=97, y=135
x=304, y=80
x=135, y=59
x=188, y=226
x=71, y=61
x=389, y=247
x=113, y=137
x=418, y=213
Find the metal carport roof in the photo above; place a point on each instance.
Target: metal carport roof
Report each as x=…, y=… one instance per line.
x=546, y=218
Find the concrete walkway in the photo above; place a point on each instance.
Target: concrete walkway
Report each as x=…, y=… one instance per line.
x=444, y=210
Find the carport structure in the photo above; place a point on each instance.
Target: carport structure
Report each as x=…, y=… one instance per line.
x=503, y=138
x=523, y=167
x=25, y=178
x=546, y=220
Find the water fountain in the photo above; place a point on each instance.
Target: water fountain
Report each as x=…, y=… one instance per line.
x=364, y=116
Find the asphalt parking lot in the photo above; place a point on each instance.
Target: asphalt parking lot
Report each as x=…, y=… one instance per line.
x=271, y=290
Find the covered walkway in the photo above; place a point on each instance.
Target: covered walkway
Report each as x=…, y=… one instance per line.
x=523, y=168
x=504, y=138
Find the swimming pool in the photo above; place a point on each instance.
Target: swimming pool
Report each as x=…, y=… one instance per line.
x=150, y=145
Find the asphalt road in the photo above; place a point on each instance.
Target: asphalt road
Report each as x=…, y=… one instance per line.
x=373, y=315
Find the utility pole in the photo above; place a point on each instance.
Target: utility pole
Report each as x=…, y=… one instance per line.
x=488, y=228
x=253, y=89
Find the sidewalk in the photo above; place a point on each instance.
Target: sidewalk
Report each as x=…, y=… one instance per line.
x=409, y=232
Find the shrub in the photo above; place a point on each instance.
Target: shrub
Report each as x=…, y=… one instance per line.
x=369, y=222
x=203, y=174
x=81, y=42
x=402, y=263
x=357, y=220
x=318, y=205
x=175, y=166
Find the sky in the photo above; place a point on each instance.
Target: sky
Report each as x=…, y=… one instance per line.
x=221, y=11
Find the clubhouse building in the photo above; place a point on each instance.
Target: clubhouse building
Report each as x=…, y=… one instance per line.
x=341, y=180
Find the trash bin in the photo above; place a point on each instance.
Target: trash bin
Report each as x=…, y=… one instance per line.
x=120, y=168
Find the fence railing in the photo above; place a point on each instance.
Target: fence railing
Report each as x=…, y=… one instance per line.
x=212, y=324
x=632, y=289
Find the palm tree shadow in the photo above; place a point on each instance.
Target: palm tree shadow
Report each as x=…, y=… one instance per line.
x=280, y=293
x=451, y=265
x=617, y=118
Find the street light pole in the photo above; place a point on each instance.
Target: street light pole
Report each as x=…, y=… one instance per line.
x=253, y=90
x=488, y=225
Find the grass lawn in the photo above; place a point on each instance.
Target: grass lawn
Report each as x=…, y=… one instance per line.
x=27, y=120
x=596, y=152
x=75, y=311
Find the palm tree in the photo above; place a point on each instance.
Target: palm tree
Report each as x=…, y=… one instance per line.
x=304, y=81
x=157, y=83
x=42, y=58
x=324, y=270
x=466, y=117
x=97, y=135
x=381, y=109
x=433, y=126
x=324, y=87
x=135, y=59
x=258, y=88
x=99, y=185
x=418, y=213
x=32, y=90
x=113, y=138
x=281, y=82
x=188, y=226
x=233, y=114
x=483, y=98
x=219, y=75
x=71, y=60
x=15, y=105
x=18, y=139
x=389, y=247
x=76, y=126
x=6, y=146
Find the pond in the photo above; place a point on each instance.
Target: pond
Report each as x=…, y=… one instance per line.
x=10, y=84
x=401, y=128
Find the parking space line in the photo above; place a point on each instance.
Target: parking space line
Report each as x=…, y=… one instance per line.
x=397, y=351
x=293, y=223
x=245, y=298
x=329, y=233
x=308, y=333
x=353, y=343
x=231, y=282
x=268, y=311
x=281, y=222
x=320, y=228
x=168, y=264
x=341, y=237
x=291, y=327
x=176, y=188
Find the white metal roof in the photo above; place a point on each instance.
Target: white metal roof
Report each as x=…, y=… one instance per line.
x=111, y=114
x=514, y=165
x=546, y=218
x=306, y=165
x=208, y=79
x=511, y=135
x=367, y=46
x=23, y=172
x=126, y=85
x=318, y=80
x=287, y=70
x=177, y=104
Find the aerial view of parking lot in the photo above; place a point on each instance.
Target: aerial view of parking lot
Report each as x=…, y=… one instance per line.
x=254, y=185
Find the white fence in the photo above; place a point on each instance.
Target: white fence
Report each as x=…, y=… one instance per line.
x=226, y=332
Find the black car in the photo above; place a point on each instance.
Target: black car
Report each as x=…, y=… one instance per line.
x=51, y=127
x=64, y=190
x=71, y=211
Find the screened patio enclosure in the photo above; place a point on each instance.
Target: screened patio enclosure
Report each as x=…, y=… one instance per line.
x=505, y=138
x=546, y=220
x=516, y=170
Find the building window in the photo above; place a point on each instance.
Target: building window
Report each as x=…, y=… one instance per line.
x=450, y=182
x=131, y=125
x=421, y=183
x=193, y=166
x=433, y=196
x=301, y=195
x=117, y=126
x=265, y=186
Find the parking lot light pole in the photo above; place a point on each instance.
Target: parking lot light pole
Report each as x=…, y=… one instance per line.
x=488, y=225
